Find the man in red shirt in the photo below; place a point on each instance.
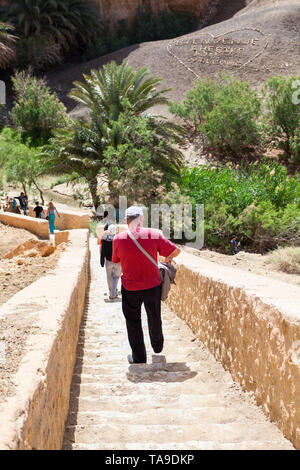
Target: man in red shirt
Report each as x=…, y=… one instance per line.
x=141, y=281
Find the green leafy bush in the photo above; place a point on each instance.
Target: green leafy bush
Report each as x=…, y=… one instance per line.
x=283, y=113
x=261, y=203
x=141, y=145
x=294, y=144
x=226, y=111
x=241, y=186
x=266, y=227
x=22, y=163
x=36, y=110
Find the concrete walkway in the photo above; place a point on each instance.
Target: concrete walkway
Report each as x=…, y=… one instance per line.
x=182, y=399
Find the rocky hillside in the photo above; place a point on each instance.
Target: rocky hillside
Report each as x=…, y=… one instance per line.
x=115, y=10
x=259, y=41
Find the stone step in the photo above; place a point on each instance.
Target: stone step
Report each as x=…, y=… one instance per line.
x=136, y=376
x=160, y=434
x=106, y=369
x=181, y=399
x=134, y=403
x=116, y=355
x=189, y=445
x=165, y=388
x=160, y=416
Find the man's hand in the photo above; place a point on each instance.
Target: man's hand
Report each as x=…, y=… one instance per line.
x=170, y=258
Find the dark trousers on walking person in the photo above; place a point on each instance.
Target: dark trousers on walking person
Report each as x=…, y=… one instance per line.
x=132, y=304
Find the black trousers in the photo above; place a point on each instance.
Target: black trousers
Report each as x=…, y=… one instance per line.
x=132, y=304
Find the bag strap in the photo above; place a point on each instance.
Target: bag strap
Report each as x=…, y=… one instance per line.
x=142, y=249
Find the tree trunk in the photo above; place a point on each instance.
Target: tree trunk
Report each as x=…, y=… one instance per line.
x=93, y=186
x=24, y=189
x=40, y=191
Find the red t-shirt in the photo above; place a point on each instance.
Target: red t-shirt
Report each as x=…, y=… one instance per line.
x=139, y=272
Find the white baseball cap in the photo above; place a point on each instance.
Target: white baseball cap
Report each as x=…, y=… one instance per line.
x=133, y=211
x=112, y=229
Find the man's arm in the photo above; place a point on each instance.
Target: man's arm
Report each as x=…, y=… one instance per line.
x=115, y=257
x=167, y=249
x=102, y=257
x=173, y=255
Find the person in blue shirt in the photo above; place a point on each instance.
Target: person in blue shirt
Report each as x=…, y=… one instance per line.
x=23, y=199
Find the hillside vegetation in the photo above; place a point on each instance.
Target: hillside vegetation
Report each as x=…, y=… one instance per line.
x=127, y=129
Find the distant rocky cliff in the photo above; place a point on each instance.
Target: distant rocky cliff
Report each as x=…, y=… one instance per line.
x=115, y=10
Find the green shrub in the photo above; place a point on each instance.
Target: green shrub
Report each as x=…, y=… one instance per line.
x=226, y=111
x=36, y=110
x=240, y=187
x=283, y=113
x=2, y=116
x=261, y=203
x=265, y=227
x=294, y=144
x=22, y=163
x=93, y=227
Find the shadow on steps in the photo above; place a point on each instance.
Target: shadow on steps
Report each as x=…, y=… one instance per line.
x=160, y=371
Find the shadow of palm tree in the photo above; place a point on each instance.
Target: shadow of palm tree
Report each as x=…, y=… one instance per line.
x=160, y=371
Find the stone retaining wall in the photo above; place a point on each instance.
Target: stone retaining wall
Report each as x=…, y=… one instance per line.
x=34, y=417
x=251, y=324
x=37, y=226
x=61, y=237
x=70, y=220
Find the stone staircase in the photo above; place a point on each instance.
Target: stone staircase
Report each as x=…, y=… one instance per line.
x=181, y=400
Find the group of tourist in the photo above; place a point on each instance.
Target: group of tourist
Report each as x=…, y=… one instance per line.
x=49, y=214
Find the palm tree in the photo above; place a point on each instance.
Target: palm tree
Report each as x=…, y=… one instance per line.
x=69, y=22
x=79, y=149
x=117, y=99
x=7, y=50
x=111, y=90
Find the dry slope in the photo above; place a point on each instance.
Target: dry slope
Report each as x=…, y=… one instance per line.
x=260, y=41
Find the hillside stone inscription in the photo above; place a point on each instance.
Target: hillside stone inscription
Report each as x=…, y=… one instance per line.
x=231, y=50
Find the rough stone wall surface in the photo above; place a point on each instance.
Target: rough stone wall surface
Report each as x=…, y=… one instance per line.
x=34, y=417
x=61, y=237
x=252, y=326
x=37, y=226
x=115, y=10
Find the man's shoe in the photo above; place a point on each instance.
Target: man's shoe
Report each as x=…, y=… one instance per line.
x=132, y=361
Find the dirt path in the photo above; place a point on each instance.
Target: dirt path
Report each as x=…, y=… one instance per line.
x=182, y=399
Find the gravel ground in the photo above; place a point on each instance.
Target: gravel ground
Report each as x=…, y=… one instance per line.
x=15, y=329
